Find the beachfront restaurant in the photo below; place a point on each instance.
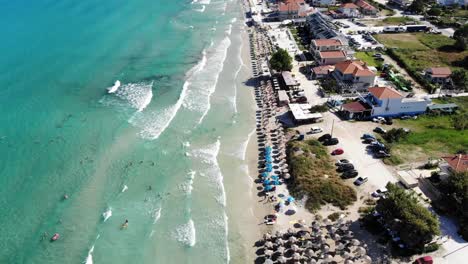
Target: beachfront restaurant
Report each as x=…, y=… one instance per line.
x=288, y=81
x=302, y=114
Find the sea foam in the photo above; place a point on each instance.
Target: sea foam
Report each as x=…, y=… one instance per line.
x=186, y=234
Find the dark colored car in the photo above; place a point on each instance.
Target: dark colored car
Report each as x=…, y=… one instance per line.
x=342, y=162
x=324, y=137
x=349, y=174
x=389, y=121
x=331, y=142
x=382, y=154
x=345, y=167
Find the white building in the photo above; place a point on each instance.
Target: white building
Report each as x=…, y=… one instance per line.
x=353, y=76
x=349, y=10
x=385, y=101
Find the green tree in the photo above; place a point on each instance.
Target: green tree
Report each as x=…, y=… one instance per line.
x=395, y=135
x=415, y=224
x=460, y=79
x=417, y=6
x=461, y=36
x=435, y=11
x=281, y=61
x=457, y=194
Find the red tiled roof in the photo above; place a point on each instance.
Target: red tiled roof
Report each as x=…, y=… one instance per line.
x=327, y=42
x=349, y=6
x=322, y=70
x=355, y=107
x=384, y=92
x=440, y=72
x=290, y=5
x=364, y=5
x=356, y=68
x=458, y=163
x=329, y=54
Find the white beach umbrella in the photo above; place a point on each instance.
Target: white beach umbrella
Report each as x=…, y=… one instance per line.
x=310, y=253
x=360, y=251
x=312, y=261
x=348, y=261
x=267, y=236
x=367, y=259
x=346, y=255
x=327, y=258
x=269, y=244
x=268, y=252
x=280, y=241
x=336, y=237
x=309, y=244
x=355, y=242
x=268, y=261
x=296, y=256
x=281, y=249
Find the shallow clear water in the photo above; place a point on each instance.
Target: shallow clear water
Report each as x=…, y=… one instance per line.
x=178, y=123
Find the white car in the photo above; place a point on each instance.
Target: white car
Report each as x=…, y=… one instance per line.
x=315, y=130
x=379, y=192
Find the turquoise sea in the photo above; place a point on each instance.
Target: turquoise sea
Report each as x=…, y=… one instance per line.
x=165, y=151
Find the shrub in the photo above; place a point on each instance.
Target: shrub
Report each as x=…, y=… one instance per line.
x=334, y=216
x=431, y=247
x=395, y=135
x=319, y=108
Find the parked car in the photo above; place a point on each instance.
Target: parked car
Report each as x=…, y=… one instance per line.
x=349, y=174
x=379, y=192
x=345, y=167
x=343, y=161
x=380, y=130
x=324, y=138
x=331, y=142
x=366, y=135
x=405, y=117
x=369, y=140
x=378, y=119
x=377, y=55
x=382, y=154
x=389, y=121
x=424, y=260
x=360, y=180
x=315, y=130
x=337, y=151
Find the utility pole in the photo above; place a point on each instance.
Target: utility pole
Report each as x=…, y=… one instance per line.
x=333, y=124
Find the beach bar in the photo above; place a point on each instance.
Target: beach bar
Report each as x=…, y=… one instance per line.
x=289, y=82
x=302, y=114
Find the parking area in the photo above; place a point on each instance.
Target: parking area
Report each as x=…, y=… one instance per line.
x=349, y=134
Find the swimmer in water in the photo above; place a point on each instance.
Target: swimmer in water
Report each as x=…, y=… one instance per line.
x=65, y=196
x=150, y=188
x=125, y=225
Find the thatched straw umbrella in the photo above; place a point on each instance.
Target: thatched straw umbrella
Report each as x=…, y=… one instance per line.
x=348, y=261
x=281, y=250
x=269, y=252
x=327, y=258
x=360, y=251
x=282, y=259
x=267, y=236
x=310, y=253
x=269, y=244
x=340, y=246
x=346, y=255
x=327, y=222
x=309, y=244
x=325, y=249
x=295, y=247
x=287, y=176
x=336, y=237
x=290, y=231
x=280, y=241
x=296, y=256
x=292, y=239
x=355, y=242
x=367, y=259
x=278, y=233
x=268, y=261
x=312, y=261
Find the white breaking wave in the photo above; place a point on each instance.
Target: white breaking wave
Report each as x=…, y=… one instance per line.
x=229, y=30
x=153, y=124
x=204, y=2
x=138, y=95
x=89, y=258
x=209, y=156
x=107, y=214
x=125, y=187
x=203, y=83
x=226, y=237
x=114, y=87
x=156, y=215
x=186, y=234
x=246, y=144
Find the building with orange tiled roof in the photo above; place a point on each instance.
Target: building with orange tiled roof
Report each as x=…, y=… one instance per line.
x=349, y=10
x=289, y=9
x=366, y=8
x=330, y=57
x=439, y=75
x=353, y=75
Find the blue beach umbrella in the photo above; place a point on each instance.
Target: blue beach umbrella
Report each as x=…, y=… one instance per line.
x=267, y=182
x=290, y=199
x=275, y=177
x=265, y=175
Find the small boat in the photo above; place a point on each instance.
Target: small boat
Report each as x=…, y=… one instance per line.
x=55, y=237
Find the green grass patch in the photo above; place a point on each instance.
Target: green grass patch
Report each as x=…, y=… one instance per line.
x=313, y=174
x=396, y=21
x=367, y=57
x=418, y=51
